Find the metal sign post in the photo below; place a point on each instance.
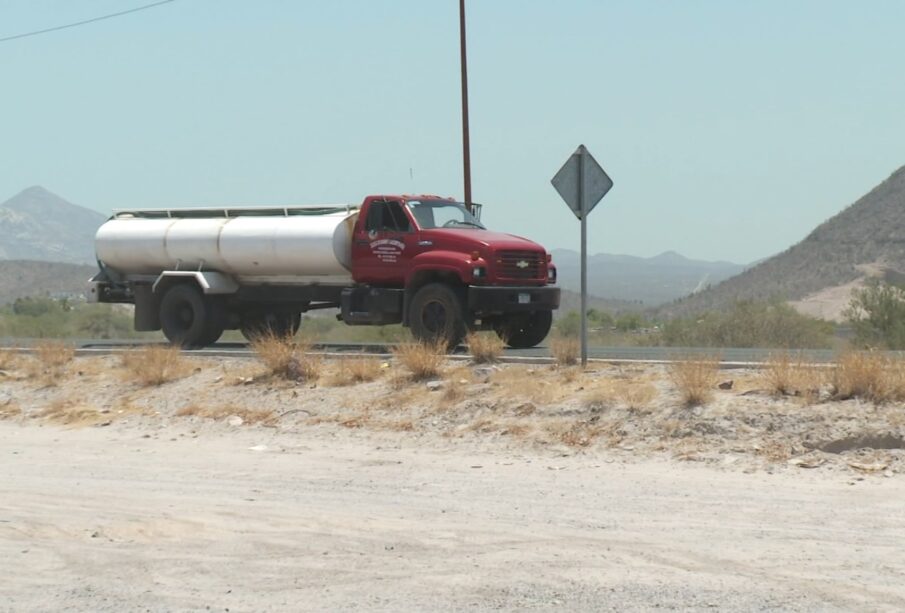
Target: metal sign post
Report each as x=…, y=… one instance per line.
x=581, y=182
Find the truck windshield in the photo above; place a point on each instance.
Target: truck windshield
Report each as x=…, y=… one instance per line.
x=442, y=214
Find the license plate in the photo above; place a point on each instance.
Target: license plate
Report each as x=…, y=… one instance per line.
x=524, y=298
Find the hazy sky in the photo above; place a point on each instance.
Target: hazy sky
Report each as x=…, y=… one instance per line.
x=730, y=128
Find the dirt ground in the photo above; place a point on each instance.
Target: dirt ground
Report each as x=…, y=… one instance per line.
x=491, y=488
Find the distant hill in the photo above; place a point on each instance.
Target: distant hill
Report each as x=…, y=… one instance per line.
x=866, y=239
x=648, y=281
x=19, y=279
x=36, y=224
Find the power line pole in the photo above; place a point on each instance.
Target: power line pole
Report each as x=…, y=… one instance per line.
x=466, y=145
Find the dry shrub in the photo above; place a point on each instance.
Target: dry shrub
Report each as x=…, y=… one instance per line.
x=421, y=360
x=635, y=396
x=8, y=359
x=695, y=379
x=286, y=359
x=70, y=414
x=249, y=416
x=565, y=350
x=485, y=348
x=9, y=410
x=868, y=376
x=352, y=371
x=154, y=365
x=784, y=375
x=577, y=434
x=54, y=354
x=529, y=383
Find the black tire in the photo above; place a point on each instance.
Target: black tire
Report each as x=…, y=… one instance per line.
x=436, y=315
x=255, y=325
x=190, y=320
x=525, y=331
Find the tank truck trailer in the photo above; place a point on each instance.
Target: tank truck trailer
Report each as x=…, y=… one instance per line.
x=423, y=261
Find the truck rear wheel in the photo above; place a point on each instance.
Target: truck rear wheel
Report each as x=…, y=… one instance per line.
x=256, y=325
x=525, y=331
x=189, y=319
x=436, y=315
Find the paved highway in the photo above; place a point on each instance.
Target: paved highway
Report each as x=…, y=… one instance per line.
x=727, y=356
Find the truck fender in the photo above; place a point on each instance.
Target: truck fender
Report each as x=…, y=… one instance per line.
x=433, y=267
x=209, y=282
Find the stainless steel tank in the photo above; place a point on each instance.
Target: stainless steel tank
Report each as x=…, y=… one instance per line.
x=314, y=245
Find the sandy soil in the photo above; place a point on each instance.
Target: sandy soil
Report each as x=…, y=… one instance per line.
x=516, y=490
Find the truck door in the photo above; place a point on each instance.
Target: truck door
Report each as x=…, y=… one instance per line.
x=384, y=244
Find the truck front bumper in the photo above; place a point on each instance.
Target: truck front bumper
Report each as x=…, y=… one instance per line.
x=508, y=299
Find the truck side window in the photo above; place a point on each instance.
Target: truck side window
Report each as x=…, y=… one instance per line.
x=387, y=217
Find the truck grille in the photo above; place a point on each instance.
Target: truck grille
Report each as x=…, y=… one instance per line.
x=521, y=264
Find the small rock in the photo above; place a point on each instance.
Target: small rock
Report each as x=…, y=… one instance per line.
x=726, y=385
x=218, y=379
x=435, y=385
x=258, y=448
x=235, y=420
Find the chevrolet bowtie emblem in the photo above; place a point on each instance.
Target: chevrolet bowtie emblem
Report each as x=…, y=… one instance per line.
x=522, y=264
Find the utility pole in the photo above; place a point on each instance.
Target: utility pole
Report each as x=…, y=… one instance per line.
x=466, y=145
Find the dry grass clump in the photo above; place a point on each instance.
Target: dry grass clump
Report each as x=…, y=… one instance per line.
x=72, y=414
x=421, y=360
x=695, y=379
x=869, y=376
x=54, y=354
x=635, y=396
x=484, y=348
x=784, y=375
x=249, y=416
x=154, y=365
x=8, y=359
x=565, y=350
x=352, y=371
x=9, y=410
x=286, y=359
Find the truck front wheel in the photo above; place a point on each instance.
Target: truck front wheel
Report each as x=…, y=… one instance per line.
x=435, y=315
x=524, y=331
x=189, y=319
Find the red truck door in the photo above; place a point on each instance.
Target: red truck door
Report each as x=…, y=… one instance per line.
x=384, y=243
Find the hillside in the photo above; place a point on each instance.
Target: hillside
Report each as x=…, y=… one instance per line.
x=866, y=239
x=646, y=281
x=36, y=224
x=19, y=279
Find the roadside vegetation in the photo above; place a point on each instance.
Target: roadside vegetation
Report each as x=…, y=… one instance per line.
x=877, y=316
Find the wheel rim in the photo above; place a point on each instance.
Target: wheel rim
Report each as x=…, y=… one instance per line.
x=434, y=317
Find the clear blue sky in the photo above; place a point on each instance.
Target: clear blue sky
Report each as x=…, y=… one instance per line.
x=730, y=128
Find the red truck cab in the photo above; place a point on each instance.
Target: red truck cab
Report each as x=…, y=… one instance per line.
x=449, y=272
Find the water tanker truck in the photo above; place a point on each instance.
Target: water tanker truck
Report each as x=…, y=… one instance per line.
x=423, y=261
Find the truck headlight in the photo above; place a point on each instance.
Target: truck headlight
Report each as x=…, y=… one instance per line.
x=479, y=272
x=551, y=275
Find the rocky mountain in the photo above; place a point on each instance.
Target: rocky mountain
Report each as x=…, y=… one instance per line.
x=39, y=225
x=643, y=281
x=864, y=240
x=24, y=278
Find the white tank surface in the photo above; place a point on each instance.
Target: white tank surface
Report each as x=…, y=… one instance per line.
x=288, y=242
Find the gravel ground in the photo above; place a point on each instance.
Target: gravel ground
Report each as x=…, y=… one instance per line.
x=489, y=489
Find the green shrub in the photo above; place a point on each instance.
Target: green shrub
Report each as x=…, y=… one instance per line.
x=877, y=315
x=749, y=324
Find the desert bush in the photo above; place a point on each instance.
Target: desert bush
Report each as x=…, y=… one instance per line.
x=695, y=379
x=867, y=375
x=154, y=365
x=249, y=416
x=8, y=359
x=635, y=396
x=565, y=350
x=54, y=355
x=749, y=324
x=354, y=371
x=421, y=360
x=484, y=348
x=286, y=359
x=877, y=315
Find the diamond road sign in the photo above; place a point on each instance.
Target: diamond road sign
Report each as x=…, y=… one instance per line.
x=581, y=178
